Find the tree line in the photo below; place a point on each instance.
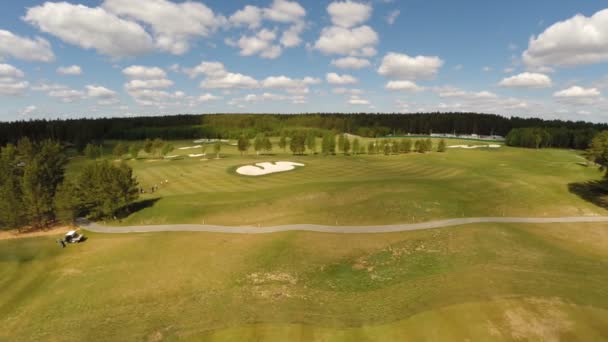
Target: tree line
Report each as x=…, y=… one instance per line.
x=79, y=132
x=301, y=141
x=541, y=137
x=34, y=191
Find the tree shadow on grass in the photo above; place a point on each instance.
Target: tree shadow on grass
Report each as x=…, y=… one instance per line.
x=595, y=192
x=136, y=206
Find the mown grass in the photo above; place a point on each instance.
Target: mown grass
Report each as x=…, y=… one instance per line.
x=481, y=282
x=364, y=189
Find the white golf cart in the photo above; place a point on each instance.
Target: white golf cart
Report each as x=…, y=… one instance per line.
x=73, y=237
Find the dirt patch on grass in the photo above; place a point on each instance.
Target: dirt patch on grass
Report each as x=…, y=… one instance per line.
x=16, y=234
x=546, y=323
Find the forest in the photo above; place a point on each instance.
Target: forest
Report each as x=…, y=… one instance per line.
x=231, y=126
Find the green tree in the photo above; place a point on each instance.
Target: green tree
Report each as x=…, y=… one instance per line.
x=12, y=214
x=157, y=146
x=598, y=151
x=356, y=146
x=217, y=147
x=67, y=202
x=243, y=144
x=442, y=146
x=148, y=146
x=166, y=149
x=341, y=142
x=371, y=147
x=258, y=143
x=346, y=146
x=297, y=144
x=104, y=189
x=92, y=151
x=405, y=146
x=267, y=145
x=120, y=149
x=41, y=177
x=283, y=141
x=311, y=142
x=134, y=150
x=428, y=145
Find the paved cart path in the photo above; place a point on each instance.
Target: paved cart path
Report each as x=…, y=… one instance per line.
x=94, y=227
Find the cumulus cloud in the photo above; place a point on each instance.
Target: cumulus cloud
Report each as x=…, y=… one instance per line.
x=148, y=84
x=450, y=92
x=358, y=101
x=577, y=95
x=342, y=90
x=575, y=41
x=104, y=95
x=91, y=28
x=261, y=44
x=12, y=45
x=527, y=80
x=333, y=78
x=284, y=11
x=217, y=77
x=403, y=86
x=349, y=13
x=28, y=110
x=358, y=41
x=392, y=16
x=70, y=70
x=293, y=86
x=351, y=63
x=401, y=66
x=67, y=95
x=208, y=97
x=291, y=37
x=10, y=81
x=144, y=72
x=250, y=16
x=173, y=24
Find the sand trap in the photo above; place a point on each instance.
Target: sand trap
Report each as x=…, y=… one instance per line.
x=209, y=140
x=260, y=169
x=197, y=155
x=474, y=146
x=171, y=157
x=190, y=147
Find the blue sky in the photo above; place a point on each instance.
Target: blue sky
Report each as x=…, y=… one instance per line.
x=124, y=57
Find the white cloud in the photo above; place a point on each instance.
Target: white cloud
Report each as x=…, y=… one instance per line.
x=575, y=41
x=291, y=37
x=449, y=92
x=486, y=69
x=28, y=110
x=91, y=28
x=261, y=44
x=351, y=63
x=45, y=87
x=356, y=100
x=9, y=71
x=27, y=49
x=349, y=13
x=250, y=16
x=392, y=16
x=148, y=84
x=527, y=80
x=333, y=78
x=173, y=24
x=104, y=95
x=67, y=95
x=359, y=41
x=284, y=11
x=70, y=70
x=10, y=83
x=292, y=86
x=403, y=86
x=342, y=90
x=208, y=97
x=402, y=66
x=217, y=77
x=144, y=72
x=578, y=95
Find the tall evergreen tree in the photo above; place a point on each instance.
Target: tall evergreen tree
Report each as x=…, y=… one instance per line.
x=12, y=214
x=311, y=142
x=356, y=146
x=442, y=146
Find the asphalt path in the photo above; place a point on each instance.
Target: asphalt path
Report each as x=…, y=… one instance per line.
x=94, y=227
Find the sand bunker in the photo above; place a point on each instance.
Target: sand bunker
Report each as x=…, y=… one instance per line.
x=189, y=147
x=197, y=155
x=474, y=146
x=260, y=169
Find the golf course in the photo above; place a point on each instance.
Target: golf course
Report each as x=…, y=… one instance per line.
x=479, y=281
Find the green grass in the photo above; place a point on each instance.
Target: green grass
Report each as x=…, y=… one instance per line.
x=478, y=282
x=364, y=189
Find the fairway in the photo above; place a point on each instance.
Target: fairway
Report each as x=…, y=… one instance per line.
x=477, y=282
x=364, y=189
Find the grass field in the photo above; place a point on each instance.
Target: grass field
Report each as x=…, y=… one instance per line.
x=364, y=189
x=478, y=282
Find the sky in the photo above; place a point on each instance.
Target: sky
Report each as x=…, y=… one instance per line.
x=122, y=58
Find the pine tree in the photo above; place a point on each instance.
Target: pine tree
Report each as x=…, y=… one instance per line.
x=311, y=142
x=356, y=146
x=120, y=149
x=346, y=146
x=441, y=147
x=267, y=145
x=11, y=205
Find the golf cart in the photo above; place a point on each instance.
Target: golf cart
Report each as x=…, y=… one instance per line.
x=73, y=237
